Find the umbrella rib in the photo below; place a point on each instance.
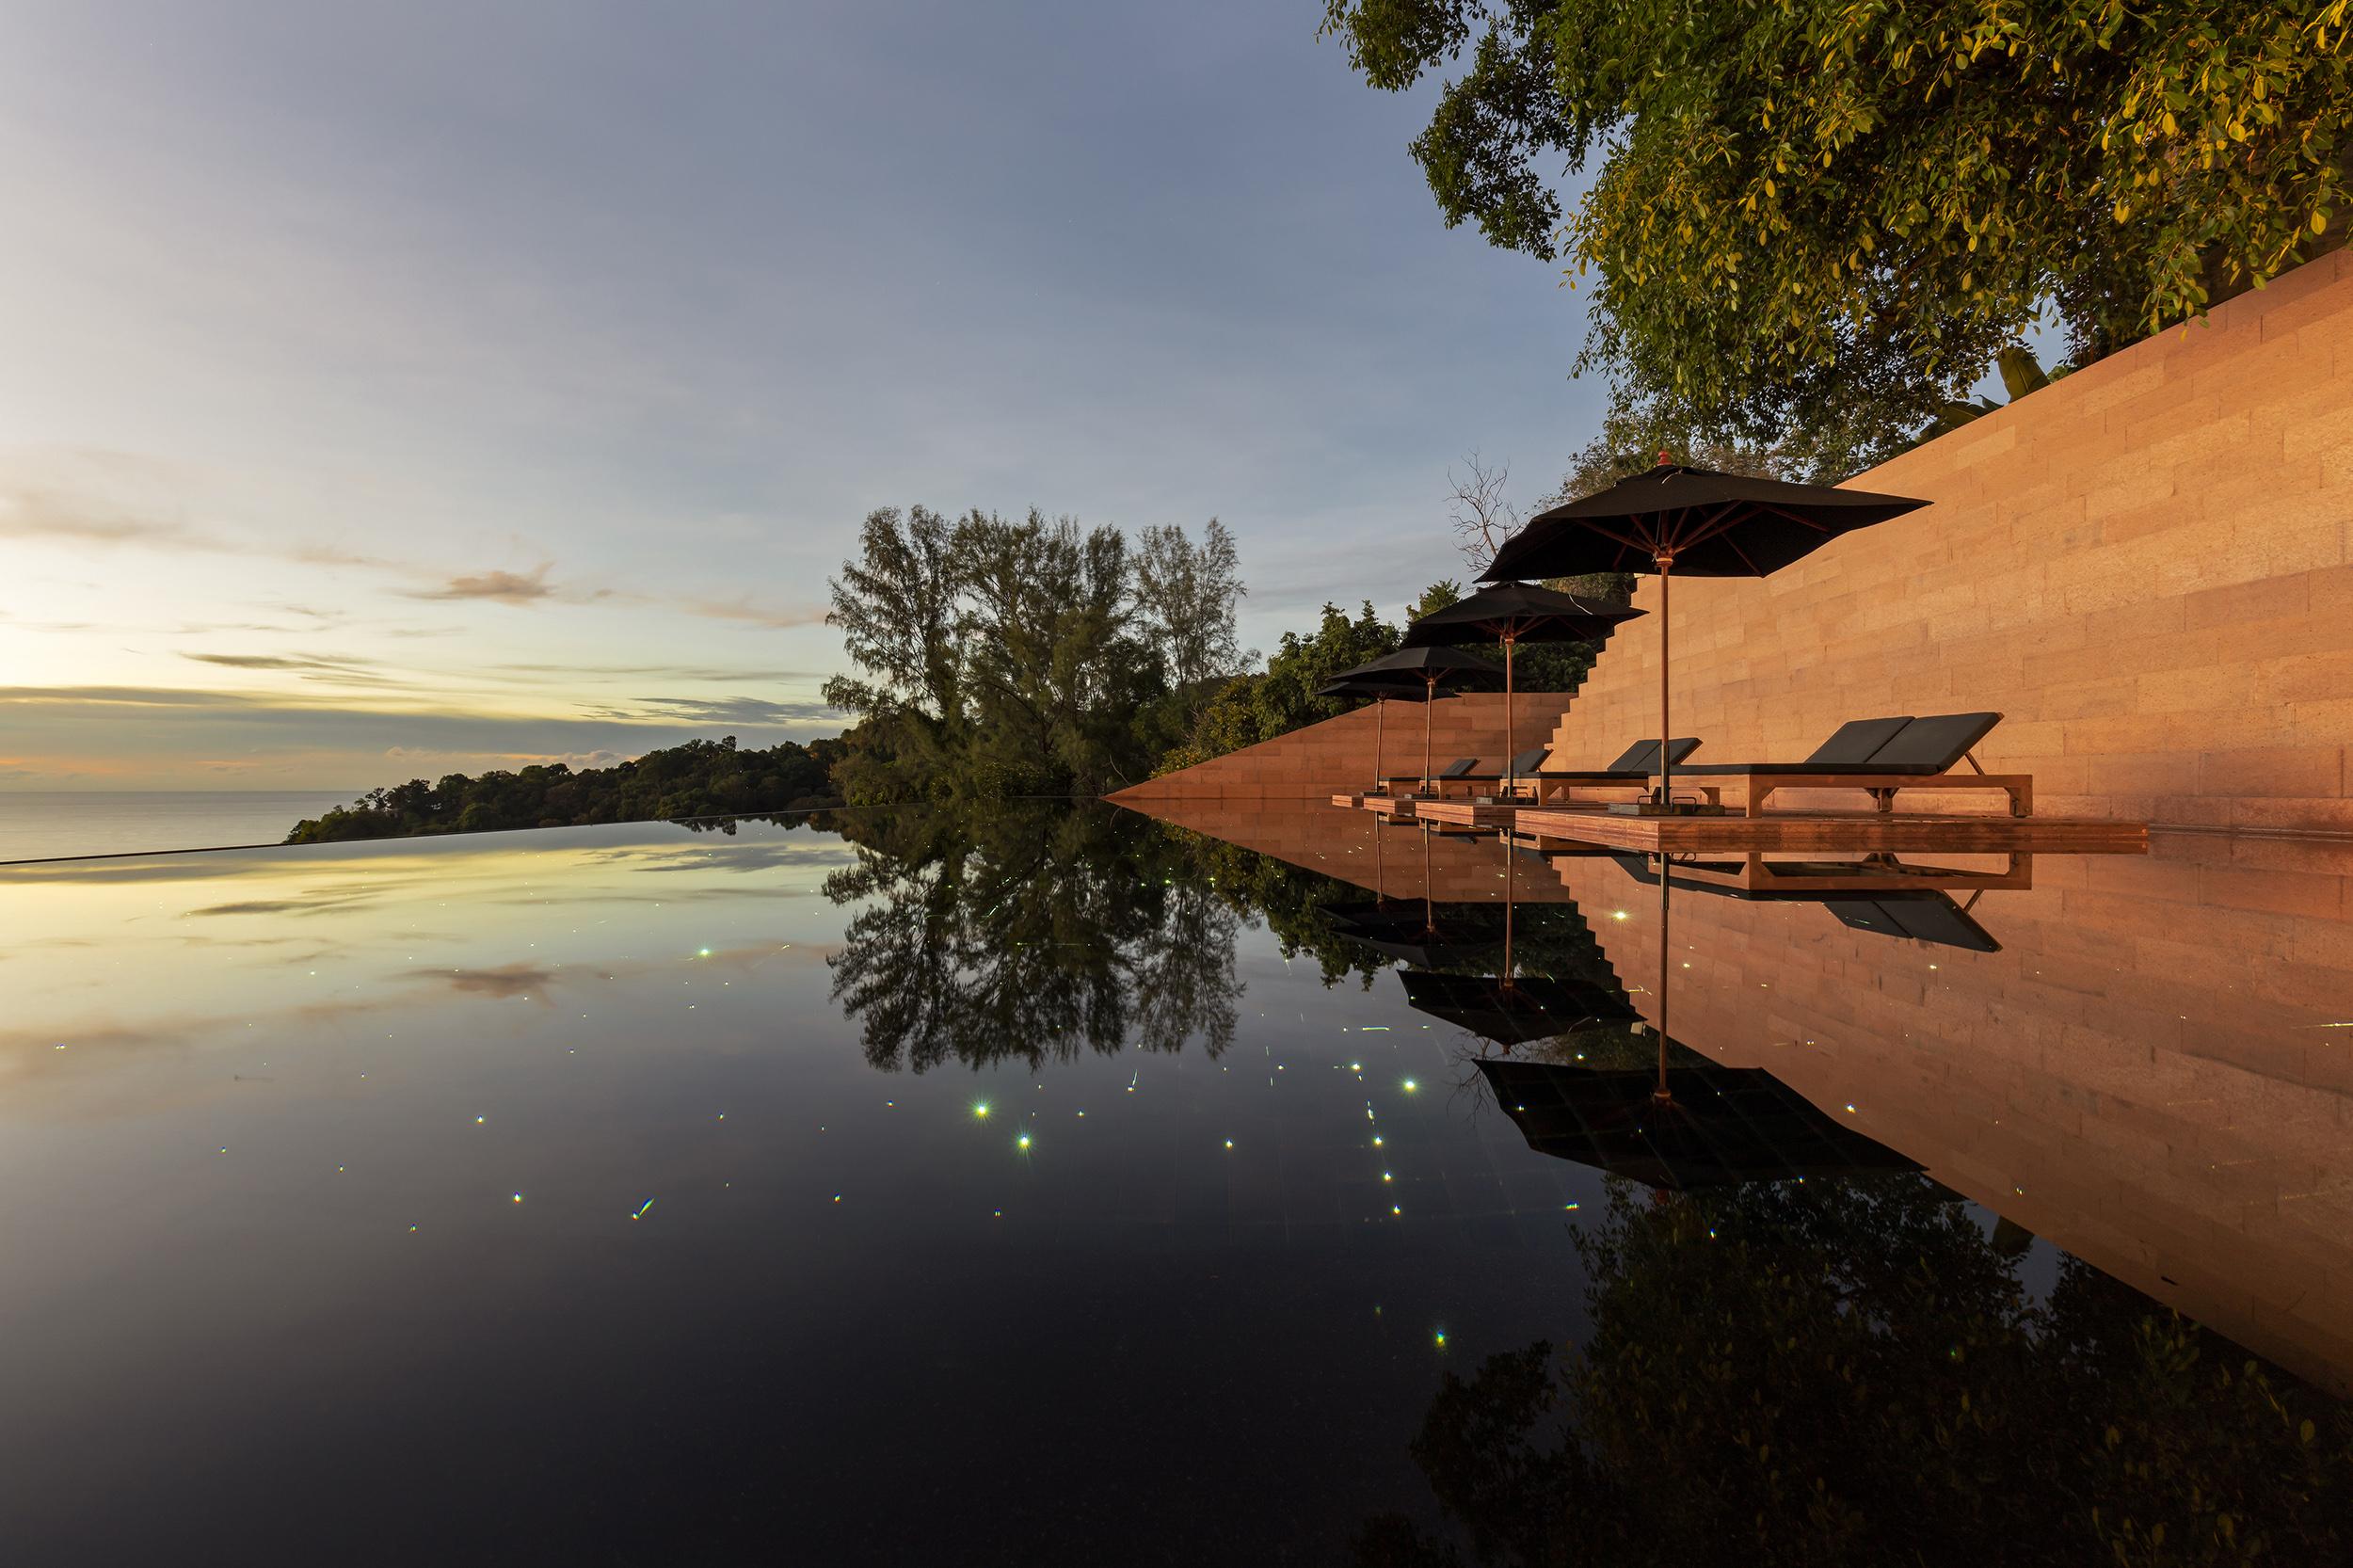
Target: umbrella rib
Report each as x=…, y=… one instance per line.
x=1793, y=517
x=1733, y=545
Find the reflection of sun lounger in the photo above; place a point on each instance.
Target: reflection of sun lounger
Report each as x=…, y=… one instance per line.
x=1923, y=916
x=1880, y=757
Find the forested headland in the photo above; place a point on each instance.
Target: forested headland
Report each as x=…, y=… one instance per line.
x=701, y=778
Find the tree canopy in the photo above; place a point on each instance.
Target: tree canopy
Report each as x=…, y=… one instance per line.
x=1825, y=217
x=700, y=778
x=1003, y=657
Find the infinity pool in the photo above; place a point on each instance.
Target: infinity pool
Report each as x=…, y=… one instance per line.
x=1056, y=1185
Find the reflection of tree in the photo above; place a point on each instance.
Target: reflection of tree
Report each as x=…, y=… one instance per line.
x=1850, y=1373
x=1027, y=932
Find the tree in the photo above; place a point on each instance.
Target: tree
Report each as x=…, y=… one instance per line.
x=1185, y=595
x=1030, y=656
x=1255, y=708
x=1477, y=508
x=1833, y=216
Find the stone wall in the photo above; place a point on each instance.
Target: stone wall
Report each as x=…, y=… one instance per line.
x=1315, y=762
x=2144, y=566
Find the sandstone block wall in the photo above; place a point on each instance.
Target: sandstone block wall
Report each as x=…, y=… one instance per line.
x=2145, y=566
x=1315, y=762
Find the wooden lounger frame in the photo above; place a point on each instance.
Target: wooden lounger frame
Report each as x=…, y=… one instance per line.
x=1750, y=791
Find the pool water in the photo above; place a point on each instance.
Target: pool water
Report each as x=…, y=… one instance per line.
x=1052, y=1184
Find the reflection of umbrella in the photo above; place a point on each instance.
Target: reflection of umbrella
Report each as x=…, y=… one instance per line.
x=1512, y=613
x=1433, y=667
x=1383, y=693
x=1468, y=935
x=1532, y=1007
x=1688, y=519
x=1724, y=1124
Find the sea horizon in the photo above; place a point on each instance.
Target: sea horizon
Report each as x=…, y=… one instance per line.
x=60, y=824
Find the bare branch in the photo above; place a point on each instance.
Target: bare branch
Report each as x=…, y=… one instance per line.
x=1481, y=517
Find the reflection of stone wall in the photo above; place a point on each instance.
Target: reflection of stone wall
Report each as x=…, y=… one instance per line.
x=2139, y=1075
x=2145, y=566
x=1314, y=762
x=1396, y=859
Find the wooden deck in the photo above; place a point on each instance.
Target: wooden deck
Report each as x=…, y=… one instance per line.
x=1465, y=813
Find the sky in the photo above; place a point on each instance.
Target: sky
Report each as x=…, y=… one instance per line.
x=392, y=390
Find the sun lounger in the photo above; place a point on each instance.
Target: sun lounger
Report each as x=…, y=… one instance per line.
x=1463, y=770
x=1636, y=765
x=1878, y=757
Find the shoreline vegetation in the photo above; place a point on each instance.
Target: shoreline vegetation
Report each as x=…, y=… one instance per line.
x=700, y=778
x=994, y=660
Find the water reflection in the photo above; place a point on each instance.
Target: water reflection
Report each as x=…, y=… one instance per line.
x=1855, y=1372
x=1028, y=933
x=347, y=1175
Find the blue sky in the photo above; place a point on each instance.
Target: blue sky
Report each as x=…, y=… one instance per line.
x=400, y=388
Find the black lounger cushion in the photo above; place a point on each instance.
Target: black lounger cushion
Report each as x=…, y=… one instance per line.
x=1529, y=762
x=1936, y=743
x=1642, y=756
x=1456, y=768
x=1858, y=741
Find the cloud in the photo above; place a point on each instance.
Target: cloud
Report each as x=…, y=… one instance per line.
x=357, y=673
x=726, y=710
x=30, y=512
x=742, y=608
x=501, y=587
x=665, y=672
x=526, y=980
x=600, y=758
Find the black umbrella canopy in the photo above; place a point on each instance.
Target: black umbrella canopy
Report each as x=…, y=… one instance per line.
x=1706, y=524
x=1401, y=689
x=1515, y=612
x=1388, y=690
x=1422, y=671
x=1442, y=665
x=1693, y=521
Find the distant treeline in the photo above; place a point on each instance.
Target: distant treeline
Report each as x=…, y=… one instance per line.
x=700, y=778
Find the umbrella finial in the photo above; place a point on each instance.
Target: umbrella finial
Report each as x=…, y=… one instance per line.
x=1666, y=458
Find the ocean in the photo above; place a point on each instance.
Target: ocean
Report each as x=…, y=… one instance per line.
x=44, y=825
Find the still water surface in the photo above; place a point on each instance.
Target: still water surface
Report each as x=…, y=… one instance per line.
x=1062, y=1186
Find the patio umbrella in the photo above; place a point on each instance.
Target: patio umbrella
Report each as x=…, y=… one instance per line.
x=1727, y=1124
x=1509, y=1012
x=1512, y=613
x=1383, y=693
x=1433, y=667
x=1691, y=520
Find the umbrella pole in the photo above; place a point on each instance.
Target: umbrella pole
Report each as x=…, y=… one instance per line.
x=1666, y=727
x=1428, y=909
x=1429, y=701
x=1508, y=859
x=1661, y=1095
x=1510, y=784
x=1379, y=716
